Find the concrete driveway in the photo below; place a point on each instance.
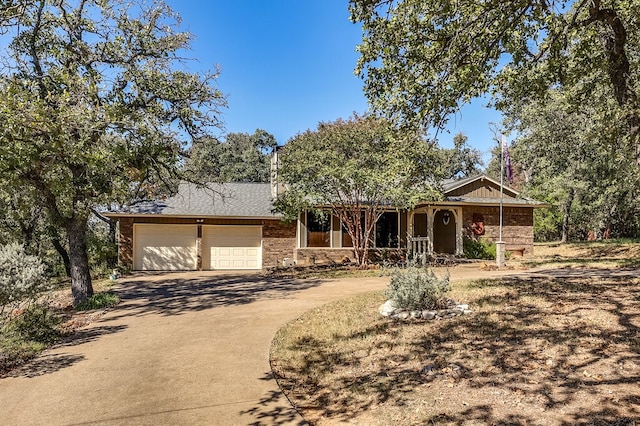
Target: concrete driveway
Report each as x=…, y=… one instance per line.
x=182, y=348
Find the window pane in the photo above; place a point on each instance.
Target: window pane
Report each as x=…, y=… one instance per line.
x=318, y=228
x=387, y=230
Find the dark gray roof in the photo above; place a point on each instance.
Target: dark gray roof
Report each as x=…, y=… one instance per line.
x=222, y=200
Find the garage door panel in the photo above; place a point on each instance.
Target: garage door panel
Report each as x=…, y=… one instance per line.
x=164, y=247
x=232, y=247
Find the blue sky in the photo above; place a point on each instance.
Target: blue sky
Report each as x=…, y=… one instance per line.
x=288, y=64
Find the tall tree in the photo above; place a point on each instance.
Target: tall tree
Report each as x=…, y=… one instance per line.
x=94, y=97
x=576, y=160
x=462, y=160
x=421, y=60
x=356, y=169
x=240, y=158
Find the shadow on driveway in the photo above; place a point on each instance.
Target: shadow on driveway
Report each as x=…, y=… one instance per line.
x=178, y=293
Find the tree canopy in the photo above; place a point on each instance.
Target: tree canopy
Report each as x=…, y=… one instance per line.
x=95, y=98
x=241, y=157
x=421, y=60
x=462, y=160
x=356, y=169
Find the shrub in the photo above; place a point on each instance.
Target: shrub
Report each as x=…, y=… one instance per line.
x=479, y=249
x=416, y=288
x=98, y=301
x=36, y=324
x=22, y=277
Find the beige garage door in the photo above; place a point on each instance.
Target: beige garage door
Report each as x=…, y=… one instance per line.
x=231, y=247
x=164, y=247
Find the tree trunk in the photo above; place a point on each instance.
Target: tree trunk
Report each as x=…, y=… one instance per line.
x=81, y=287
x=565, y=216
x=63, y=254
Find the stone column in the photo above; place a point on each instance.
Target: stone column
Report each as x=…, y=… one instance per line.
x=500, y=253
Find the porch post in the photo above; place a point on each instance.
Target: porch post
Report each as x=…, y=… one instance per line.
x=430, y=218
x=457, y=214
x=410, y=231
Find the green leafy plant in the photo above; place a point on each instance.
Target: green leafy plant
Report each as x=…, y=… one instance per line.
x=479, y=249
x=99, y=301
x=415, y=288
x=37, y=324
x=22, y=278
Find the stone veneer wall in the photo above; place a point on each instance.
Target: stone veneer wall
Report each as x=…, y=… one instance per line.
x=278, y=242
x=517, y=229
x=322, y=255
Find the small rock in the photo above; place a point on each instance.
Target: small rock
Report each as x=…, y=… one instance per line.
x=467, y=311
x=429, y=369
x=387, y=308
x=403, y=315
x=416, y=314
x=428, y=315
x=462, y=307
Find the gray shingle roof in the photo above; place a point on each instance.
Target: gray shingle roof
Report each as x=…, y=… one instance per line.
x=222, y=200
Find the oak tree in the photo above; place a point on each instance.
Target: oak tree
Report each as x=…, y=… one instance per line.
x=95, y=98
x=421, y=60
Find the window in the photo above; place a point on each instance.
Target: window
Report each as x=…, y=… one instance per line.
x=387, y=230
x=347, y=241
x=318, y=230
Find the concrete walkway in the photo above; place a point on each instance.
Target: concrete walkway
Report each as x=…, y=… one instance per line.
x=182, y=348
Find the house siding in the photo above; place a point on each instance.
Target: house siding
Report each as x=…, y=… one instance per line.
x=517, y=229
x=278, y=242
x=481, y=189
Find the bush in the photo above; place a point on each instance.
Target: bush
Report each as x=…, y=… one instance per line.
x=27, y=334
x=22, y=277
x=36, y=324
x=99, y=301
x=416, y=288
x=479, y=249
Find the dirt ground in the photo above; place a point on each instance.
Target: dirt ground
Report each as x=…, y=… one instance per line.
x=559, y=347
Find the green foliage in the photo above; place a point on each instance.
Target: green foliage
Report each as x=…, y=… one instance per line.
x=547, y=224
x=479, y=249
x=99, y=301
x=22, y=277
x=36, y=324
x=28, y=334
x=461, y=160
x=240, y=158
x=576, y=160
x=415, y=288
x=102, y=250
x=422, y=60
x=96, y=106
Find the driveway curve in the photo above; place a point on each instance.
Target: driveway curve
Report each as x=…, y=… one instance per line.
x=182, y=348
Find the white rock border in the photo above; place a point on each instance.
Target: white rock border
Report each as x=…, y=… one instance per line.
x=388, y=309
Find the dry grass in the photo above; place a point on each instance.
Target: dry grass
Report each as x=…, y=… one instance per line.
x=606, y=253
x=540, y=351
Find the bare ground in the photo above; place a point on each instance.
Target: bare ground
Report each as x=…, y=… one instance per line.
x=561, y=347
